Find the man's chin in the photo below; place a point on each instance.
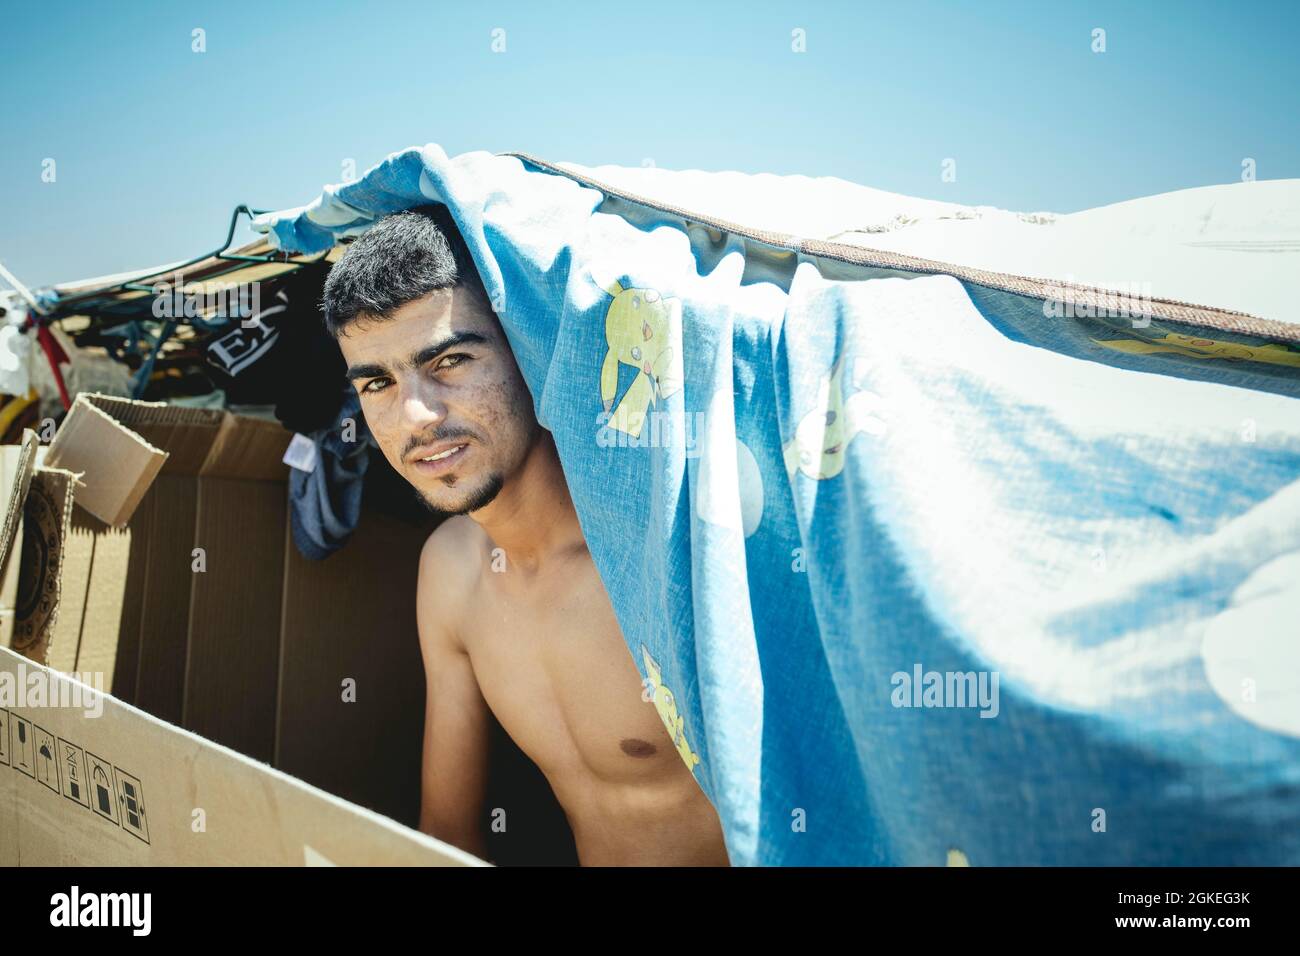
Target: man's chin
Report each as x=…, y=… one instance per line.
x=464, y=502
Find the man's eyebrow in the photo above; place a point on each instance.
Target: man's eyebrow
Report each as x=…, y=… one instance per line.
x=426, y=354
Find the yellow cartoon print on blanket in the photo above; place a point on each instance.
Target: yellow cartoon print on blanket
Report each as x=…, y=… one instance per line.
x=666, y=705
x=1193, y=347
x=823, y=435
x=642, y=330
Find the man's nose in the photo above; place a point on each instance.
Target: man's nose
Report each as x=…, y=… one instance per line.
x=421, y=404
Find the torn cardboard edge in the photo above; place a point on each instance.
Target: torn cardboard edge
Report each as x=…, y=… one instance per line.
x=23, y=480
x=115, y=448
x=251, y=809
x=207, y=442
x=120, y=465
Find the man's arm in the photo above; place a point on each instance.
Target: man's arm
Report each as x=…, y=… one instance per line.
x=457, y=719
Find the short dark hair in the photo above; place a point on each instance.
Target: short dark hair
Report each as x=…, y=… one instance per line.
x=401, y=258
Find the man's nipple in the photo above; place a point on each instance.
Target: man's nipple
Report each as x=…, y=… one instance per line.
x=638, y=748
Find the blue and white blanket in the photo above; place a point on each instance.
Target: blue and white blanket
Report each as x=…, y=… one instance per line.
x=912, y=582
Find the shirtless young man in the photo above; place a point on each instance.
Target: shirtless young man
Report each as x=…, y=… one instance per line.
x=538, y=644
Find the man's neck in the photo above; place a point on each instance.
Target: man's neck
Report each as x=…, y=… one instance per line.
x=532, y=518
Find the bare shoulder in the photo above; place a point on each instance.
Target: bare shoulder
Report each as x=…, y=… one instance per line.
x=453, y=538
x=448, y=562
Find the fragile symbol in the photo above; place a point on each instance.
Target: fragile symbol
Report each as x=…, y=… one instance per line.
x=21, y=743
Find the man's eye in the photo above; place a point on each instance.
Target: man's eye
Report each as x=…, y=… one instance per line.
x=375, y=385
x=458, y=359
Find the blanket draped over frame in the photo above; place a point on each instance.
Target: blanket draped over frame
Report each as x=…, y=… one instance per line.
x=914, y=574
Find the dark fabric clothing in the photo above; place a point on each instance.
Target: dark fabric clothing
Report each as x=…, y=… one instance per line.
x=325, y=502
x=288, y=359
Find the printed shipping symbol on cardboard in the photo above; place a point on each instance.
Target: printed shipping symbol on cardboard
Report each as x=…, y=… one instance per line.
x=101, y=787
x=4, y=737
x=47, y=761
x=130, y=797
x=73, y=762
x=22, y=745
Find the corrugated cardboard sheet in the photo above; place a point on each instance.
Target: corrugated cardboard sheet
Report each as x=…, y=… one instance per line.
x=124, y=788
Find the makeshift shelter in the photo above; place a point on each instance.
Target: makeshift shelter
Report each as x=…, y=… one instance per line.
x=927, y=561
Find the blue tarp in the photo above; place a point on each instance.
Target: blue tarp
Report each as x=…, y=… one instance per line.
x=911, y=586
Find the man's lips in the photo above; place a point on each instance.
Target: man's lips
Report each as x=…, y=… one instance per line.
x=435, y=459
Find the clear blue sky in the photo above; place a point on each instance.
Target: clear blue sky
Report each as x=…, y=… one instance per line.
x=155, y=144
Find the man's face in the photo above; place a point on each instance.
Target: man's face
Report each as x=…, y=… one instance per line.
x=439, y=377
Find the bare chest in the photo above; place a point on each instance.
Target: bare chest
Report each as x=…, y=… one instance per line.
x=552, y=664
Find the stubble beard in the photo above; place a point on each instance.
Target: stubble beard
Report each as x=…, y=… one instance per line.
x=481, y=498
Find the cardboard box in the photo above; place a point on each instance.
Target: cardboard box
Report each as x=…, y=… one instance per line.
x=124, y=788
x=184, y=591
